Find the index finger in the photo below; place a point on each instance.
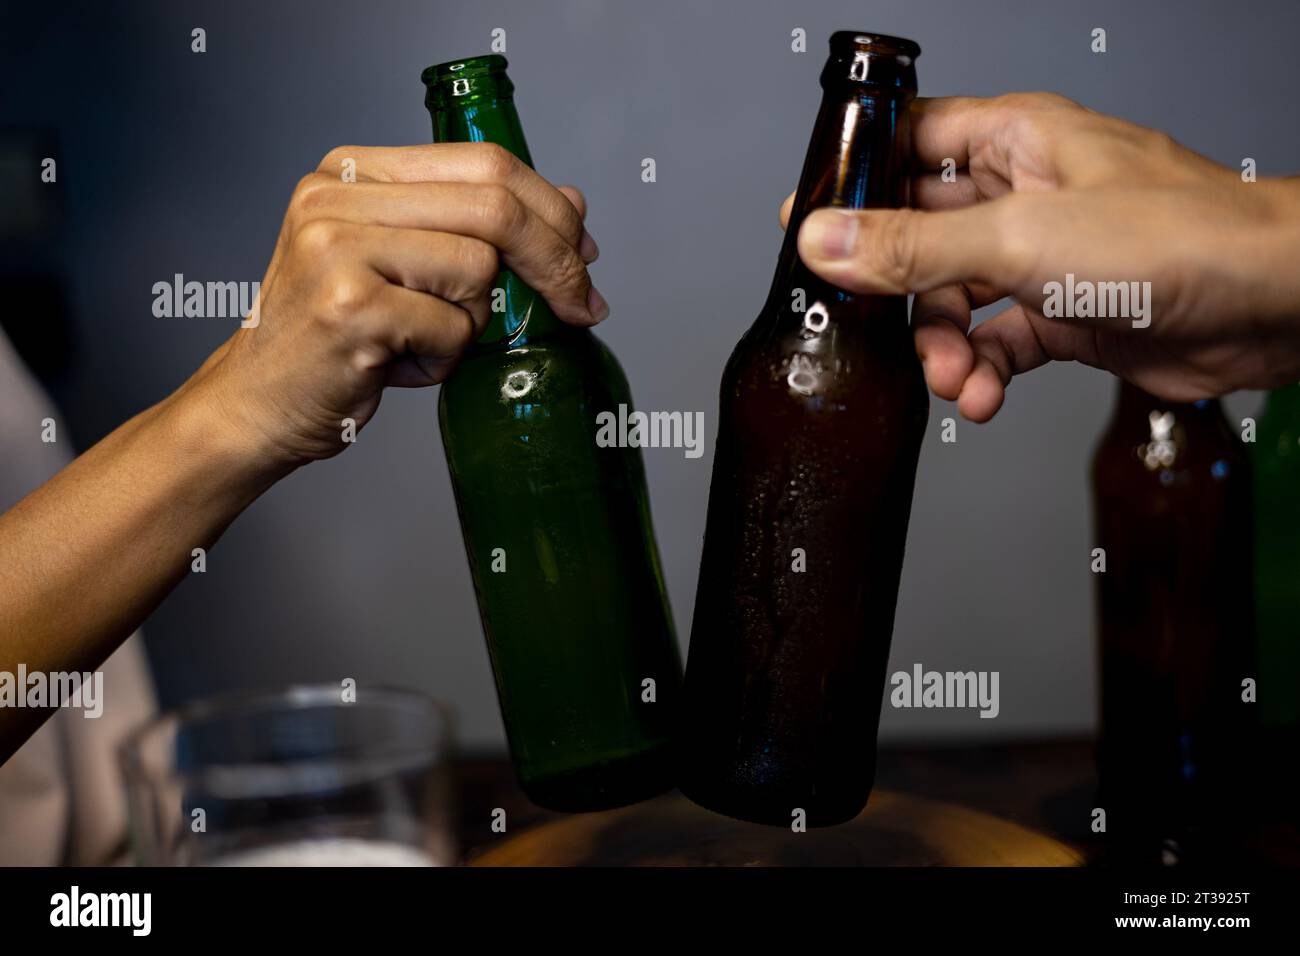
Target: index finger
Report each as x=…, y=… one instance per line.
x=995, y=129
x=944, y=128
x=463, y=163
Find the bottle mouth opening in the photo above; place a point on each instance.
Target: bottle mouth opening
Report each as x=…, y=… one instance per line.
x=876, y=44
x=465, y=69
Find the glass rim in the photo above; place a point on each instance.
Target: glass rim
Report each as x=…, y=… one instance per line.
x=297, y=697
x=465, y=68
x=881, y=44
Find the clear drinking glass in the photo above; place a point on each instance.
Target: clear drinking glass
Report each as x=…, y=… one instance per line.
x=300, y=777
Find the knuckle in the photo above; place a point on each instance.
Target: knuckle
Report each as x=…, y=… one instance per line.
x=569, y=272
x=1013, y=101
x=498, y=209
x=343, y=295
x=478, y=268
x=483, y=267
x=310, y=192
x=332, y=160
x=1036, y=116
x=1036, y=101
x=570, y=223
x=319, y=237
x=462, y=329
x=1053, y=101
x=1029, y=126
x=496, y=161
x=894, y=248
x=452, y=330
x=1015, y=243
x=1160, y=141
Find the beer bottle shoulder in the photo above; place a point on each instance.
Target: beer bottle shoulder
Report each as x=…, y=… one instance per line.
x=842, y=355
x=1168, y=448
x=573, y=366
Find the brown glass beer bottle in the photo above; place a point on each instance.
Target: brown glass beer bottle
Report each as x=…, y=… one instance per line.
x=1172, y=492
x=822, y=413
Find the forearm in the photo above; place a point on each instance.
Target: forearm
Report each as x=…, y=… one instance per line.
x=87, y=556
x=1276, y=281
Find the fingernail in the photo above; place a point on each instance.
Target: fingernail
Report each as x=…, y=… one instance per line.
x=597, y=305
x=832, y=233
x=587, y=248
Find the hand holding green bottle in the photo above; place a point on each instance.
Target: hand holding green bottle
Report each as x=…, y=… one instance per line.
x=386, y=280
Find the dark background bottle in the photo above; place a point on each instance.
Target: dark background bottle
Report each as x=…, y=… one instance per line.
x=822, y=414
x=1172, y=498
x=579, y=618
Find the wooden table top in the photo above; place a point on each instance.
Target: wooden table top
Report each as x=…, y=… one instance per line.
x=1006, y=804
x=895, y=829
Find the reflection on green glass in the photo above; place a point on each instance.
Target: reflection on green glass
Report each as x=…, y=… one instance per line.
x=557, y=529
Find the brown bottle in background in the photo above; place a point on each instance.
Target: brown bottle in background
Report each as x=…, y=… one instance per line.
x=1172, y=496
x=822, y=413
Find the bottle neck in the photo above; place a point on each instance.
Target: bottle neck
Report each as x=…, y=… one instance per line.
x=857, y=159
x=478, y=107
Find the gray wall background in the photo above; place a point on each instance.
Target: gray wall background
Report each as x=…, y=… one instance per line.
x=176, y=162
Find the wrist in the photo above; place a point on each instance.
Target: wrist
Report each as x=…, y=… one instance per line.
x=1262, y=252
x=203, y=429
x=1284, y=196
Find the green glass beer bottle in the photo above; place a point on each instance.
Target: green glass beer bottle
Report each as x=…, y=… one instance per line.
x=1276, y=461
x=557, y=529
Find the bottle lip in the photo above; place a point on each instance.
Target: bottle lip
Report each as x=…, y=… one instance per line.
x=464, y=69
x=880, y=44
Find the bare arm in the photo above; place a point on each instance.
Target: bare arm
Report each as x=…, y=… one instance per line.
x=381, y=282
x=88, y=555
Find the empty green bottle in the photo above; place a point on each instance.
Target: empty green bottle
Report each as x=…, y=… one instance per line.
x=557, y=529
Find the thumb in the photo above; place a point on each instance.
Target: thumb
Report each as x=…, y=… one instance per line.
x=896, y=251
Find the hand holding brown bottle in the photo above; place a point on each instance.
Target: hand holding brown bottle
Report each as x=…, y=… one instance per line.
x=1046, y=189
